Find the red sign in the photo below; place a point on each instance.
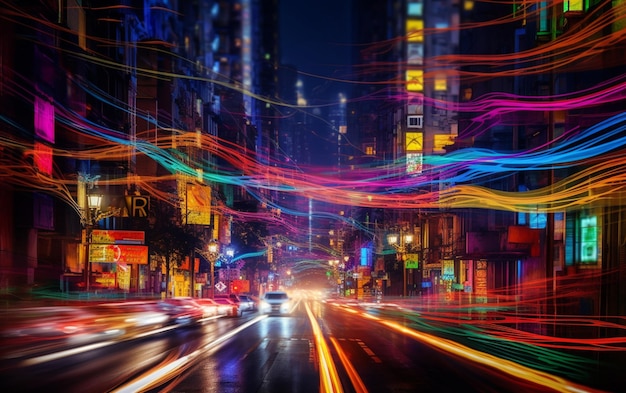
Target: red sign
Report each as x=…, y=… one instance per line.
x=104, y=236
x=114, y=253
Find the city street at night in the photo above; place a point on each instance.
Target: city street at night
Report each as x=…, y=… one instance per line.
x=268, y=196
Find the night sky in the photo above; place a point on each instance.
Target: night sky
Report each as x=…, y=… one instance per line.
x=315, y=38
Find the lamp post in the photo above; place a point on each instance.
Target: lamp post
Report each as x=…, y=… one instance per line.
x=89, y=203
x=213, y=254
x=401, y=242
x=342, y=274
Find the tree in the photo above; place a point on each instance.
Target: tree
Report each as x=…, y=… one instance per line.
x=170, y=241
x=247, y=237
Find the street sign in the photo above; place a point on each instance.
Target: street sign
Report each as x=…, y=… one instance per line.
x=220, y=286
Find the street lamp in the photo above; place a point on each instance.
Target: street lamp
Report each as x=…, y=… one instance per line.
x=342, y=274
x=89, y=202
x=213, y=253
x=401, y=242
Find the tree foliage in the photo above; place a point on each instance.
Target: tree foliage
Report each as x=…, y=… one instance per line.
x=169, y=241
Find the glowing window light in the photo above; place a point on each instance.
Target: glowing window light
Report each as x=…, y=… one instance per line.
x=414, y=8
x=415, y=80
x=543, y=16
x=573, y=5
x=364, y=256
x=415, y=53
x=440, y=141
x=441, y=82
x=43, y=158
x=44, y=119
x=415, y=30
x=414, y=141
x=414, y=163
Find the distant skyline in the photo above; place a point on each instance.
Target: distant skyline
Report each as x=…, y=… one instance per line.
x=315, y=37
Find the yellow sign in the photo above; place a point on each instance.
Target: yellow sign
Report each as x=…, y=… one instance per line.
x=195, y=202
x=414, y=141
x=415, y=80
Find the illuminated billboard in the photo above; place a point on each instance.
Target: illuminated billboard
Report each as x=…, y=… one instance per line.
x=195, y=202
x=589, y=239
x=114, y=253
x=415, y=80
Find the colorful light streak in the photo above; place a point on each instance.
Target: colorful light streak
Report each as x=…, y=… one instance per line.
x=527, y=362
x=592, y=154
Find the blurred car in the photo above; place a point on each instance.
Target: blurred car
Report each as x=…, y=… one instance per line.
x=275, y=303
x=29, y=331
x=232, y=296
x=131, y=317
x=182, y=310
x=210, y=307
x=233, y=309
x=247, y=303
x=235, y=298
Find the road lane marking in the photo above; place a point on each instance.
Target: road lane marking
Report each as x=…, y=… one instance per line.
x=368, y=351
x=355, y=379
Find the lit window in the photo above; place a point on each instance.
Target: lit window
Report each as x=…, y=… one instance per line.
x=414, y=162
x=543, y=16
x=414, y=141
x=44, y=119
x=415, y=53
x=415, y=30
x=415, y=80
x=467, y=94
x=573, y=5
x=414, y=8
x=441, y=82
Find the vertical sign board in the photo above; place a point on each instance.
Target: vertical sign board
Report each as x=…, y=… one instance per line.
x=480, y=282
x=589, y=239
x=447, y=266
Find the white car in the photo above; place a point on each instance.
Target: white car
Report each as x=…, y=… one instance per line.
x=247, y=303
x=276, y=303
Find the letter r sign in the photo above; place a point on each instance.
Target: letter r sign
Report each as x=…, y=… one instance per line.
x=137, y=206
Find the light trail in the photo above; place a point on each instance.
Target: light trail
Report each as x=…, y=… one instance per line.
x=497, y=363
x=329, y=379
x=356, y=380
x=173, y=368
